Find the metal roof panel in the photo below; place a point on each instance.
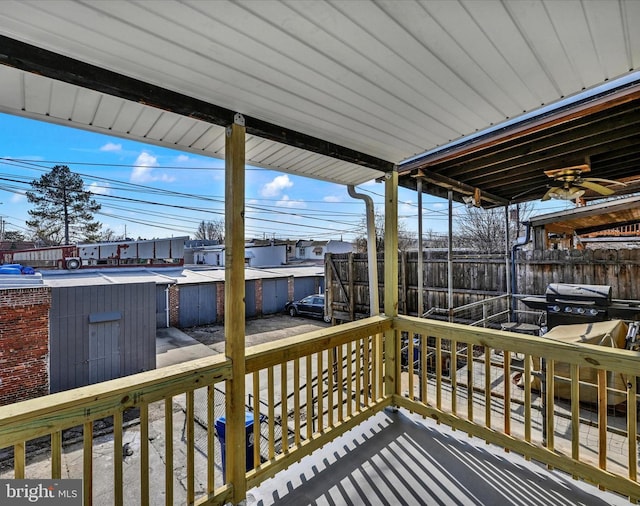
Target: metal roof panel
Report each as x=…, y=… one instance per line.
x=387, y=79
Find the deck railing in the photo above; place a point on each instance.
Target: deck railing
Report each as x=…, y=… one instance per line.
x=462, y=376
x=303, y=392
x=313, y=388
x=44, y=423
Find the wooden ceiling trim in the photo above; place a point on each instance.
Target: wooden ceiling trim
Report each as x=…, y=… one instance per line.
x=557, y=117
x=568, y=152
x=543, y=146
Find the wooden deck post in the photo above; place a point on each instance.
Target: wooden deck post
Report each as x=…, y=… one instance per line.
x=420, y=252
x=234, y=303
x=392, y=364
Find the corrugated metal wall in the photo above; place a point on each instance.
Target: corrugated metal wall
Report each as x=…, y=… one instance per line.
x=101, y=332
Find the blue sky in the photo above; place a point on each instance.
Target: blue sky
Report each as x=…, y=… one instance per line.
x=153, y=192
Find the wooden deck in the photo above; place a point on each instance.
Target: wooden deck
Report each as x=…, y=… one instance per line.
x=400, y=458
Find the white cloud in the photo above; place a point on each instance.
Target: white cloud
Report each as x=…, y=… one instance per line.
x=100, y=188
x=285, y=201
x=111, y=146
x=182, y=159
x=143, y=170
x=275, y=187
x=407, y=207
x=332, y=198
x=18, y=198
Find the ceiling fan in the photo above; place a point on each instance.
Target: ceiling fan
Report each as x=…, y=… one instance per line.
x=570, y=184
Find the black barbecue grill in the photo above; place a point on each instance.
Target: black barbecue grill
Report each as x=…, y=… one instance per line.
x=566, y=304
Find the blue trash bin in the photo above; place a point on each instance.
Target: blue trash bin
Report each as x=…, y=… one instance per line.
x=220, y=426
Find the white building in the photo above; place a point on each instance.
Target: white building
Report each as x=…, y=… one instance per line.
x=268, y=255
x=315, y=250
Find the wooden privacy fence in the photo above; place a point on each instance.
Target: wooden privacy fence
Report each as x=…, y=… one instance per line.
x=476, y=277
x=618, y=268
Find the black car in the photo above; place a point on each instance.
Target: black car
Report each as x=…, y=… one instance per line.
x=312, y=305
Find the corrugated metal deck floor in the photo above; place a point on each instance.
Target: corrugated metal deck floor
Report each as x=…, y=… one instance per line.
x=400, y=458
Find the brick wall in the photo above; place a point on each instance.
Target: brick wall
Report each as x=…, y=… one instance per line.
x=174, y=306
x=220, y=301
x=290, y=288
x=259, y=305
x=24, y=343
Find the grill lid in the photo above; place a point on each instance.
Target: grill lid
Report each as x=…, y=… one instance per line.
x=599, y=295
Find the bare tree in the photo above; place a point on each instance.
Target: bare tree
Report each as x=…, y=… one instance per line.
x=210, y=231
x=483, y=230
x=108, y=235
x=406, y=239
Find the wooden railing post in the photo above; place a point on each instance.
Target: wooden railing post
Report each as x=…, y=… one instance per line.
x=234, y=304
x=392, y=364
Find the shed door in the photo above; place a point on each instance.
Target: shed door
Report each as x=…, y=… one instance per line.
x=274, y=295
x=250, y=309
x=304, y=286
x=104, y=351
x=197, y=305
x=161, y=306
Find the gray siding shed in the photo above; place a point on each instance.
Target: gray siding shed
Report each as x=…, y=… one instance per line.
x=101, y=332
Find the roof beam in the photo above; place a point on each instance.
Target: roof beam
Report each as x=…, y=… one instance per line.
x=457, y=186
x=563, y=148
x=29, y=58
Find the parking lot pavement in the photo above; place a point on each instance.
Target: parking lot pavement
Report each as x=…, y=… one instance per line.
x=174, y=347
x=257, y=330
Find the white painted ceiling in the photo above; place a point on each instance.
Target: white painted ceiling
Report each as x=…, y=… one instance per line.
x=390, y=79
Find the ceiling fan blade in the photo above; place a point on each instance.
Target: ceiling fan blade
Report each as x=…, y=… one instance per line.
x=574, y=170
x=598, y=188
x=601, y=180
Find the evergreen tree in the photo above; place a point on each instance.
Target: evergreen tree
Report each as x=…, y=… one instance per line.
x=63, y=209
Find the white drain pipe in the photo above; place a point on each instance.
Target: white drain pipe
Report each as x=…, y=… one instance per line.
x=374, y=299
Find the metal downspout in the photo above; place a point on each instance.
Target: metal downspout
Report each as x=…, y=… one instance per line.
x=168, y=309
x=507, y=258
x=374, y=299
x=420, y=252
x=450, y=257
x=514, y=283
